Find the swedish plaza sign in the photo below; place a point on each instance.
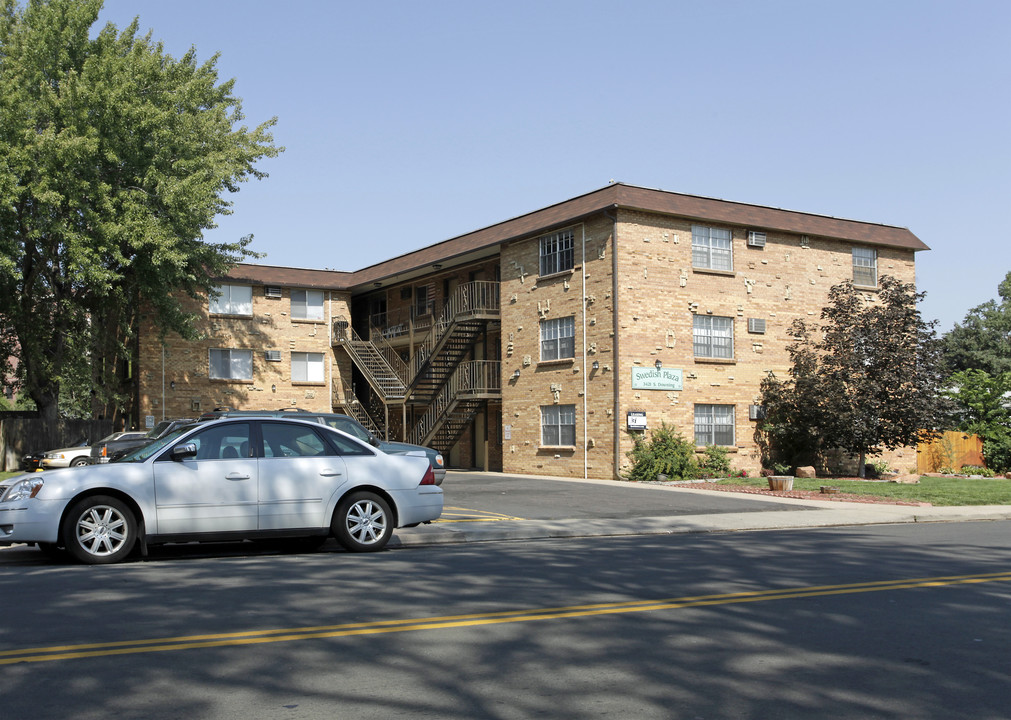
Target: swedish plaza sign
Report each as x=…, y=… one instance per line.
x=647, y=378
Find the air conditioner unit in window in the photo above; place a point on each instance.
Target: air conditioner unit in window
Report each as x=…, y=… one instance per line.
x=272, y=355
x=756, y=412
x=756, y=325
x=756, y=239
x=271, y=291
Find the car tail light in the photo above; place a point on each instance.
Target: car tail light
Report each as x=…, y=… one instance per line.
x=429, y=478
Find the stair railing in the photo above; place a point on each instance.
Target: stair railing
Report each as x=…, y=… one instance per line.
x=476, y=297
x=472, y=377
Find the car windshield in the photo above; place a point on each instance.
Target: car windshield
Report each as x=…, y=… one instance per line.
x=350, y=427
x=143, y=453
x=159, y=428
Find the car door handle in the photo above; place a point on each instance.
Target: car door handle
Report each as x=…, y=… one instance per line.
x=329, y=472
x=236, y=476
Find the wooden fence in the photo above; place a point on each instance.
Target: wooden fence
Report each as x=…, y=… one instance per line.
x=20, y=435
x=951, y=450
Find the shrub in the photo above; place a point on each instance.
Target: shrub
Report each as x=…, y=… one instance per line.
x=715, y=463
x=976, y=470
x=666, y=452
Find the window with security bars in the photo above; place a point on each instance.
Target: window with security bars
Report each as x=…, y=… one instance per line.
x=230, y=364
x=307, y=304
x=714, y=424
x=306, y=367
x=232, y=300
x=558, y=425
x=865, y=267
x=712, y=248
x=713, y=336
x=558, y=338
x=557, y=252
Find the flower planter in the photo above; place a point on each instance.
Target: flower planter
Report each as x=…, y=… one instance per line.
x=780, y=483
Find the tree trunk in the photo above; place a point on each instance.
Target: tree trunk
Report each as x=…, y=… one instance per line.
x=862, y=468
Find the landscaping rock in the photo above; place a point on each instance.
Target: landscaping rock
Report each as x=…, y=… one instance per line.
x=905, y=479
x=806, y=472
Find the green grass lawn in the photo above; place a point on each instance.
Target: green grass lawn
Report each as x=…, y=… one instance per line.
x=935, y=490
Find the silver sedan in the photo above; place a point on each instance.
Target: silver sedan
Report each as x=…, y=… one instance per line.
x=241, y=478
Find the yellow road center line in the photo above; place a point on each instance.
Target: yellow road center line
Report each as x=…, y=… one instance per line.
x=255, y=637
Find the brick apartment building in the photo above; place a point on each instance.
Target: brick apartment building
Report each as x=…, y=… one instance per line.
x=536, y=344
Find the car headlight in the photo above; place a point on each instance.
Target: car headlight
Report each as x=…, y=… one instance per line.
x=52, y=456
x=22, y=490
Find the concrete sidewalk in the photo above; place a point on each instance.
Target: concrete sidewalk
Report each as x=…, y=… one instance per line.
x=781, y=514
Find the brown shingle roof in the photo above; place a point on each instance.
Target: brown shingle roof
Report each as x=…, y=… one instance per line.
x=617, y=195
x=290, y=277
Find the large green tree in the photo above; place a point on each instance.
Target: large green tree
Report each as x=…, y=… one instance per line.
x=114, y=159
x=982, y=341
x=868, y=383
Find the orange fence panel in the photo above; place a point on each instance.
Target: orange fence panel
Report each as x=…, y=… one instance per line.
x=951, y=450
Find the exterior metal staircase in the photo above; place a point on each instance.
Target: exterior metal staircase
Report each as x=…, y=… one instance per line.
x=462, y=321
x=345, y=399
x=448, y=415
x=438, y=375
x=384, y=371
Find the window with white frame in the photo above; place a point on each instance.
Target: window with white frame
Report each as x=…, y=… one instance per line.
x=712, y=248
x=558, y=425
x=865, y=266
x=232, y=300
x=557, y=252
x=713, y=336
x=307, y=304
x=231, y=364
x=558, y=338
x=306, y=367
x=714, y=424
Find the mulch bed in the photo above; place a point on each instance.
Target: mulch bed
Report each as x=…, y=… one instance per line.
x=807, y=494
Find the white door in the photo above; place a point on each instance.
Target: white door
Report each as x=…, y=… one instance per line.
x=214, y=492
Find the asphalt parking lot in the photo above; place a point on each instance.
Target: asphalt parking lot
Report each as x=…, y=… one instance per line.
x=477, y=496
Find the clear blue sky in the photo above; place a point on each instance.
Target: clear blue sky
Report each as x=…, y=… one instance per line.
x=407, y=123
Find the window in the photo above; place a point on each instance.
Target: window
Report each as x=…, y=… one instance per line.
x=713, y=336
x=231, y=364
x=222, y=442
x=558, y=425
x=292, y=441
x=711, y=248
x=306, y=367
x=232, y=300
x=307, y=304
x=714, y=424
x=865, y=267
x=558, y=338
x=556, y=252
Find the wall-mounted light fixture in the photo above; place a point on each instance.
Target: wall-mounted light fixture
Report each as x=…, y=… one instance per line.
x=273, y=388
x=377, y=284
x=658, y=364
x=516, y=373
x=437, y=266
x=172, y=385
x=596, y=365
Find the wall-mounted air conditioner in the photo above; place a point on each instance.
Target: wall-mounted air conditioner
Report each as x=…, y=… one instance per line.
x=756, y=412
x=272, y=355
x=271, y=291
x=756, y=239
x=756, y=325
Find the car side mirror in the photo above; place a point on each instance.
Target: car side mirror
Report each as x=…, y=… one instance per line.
x=186, y=450
x=374, y=441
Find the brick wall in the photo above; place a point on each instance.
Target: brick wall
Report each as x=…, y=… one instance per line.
x=658, y=294
x=186, y=363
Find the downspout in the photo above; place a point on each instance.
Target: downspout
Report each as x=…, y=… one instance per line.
x=331, y=358
x=614, y=331
x=586, y=438
x=163, y=381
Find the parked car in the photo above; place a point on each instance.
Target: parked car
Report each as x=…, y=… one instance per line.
x=32, y=462
x=80, y=454
x=106, y=450
x=228, y=479
x=347, y=424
